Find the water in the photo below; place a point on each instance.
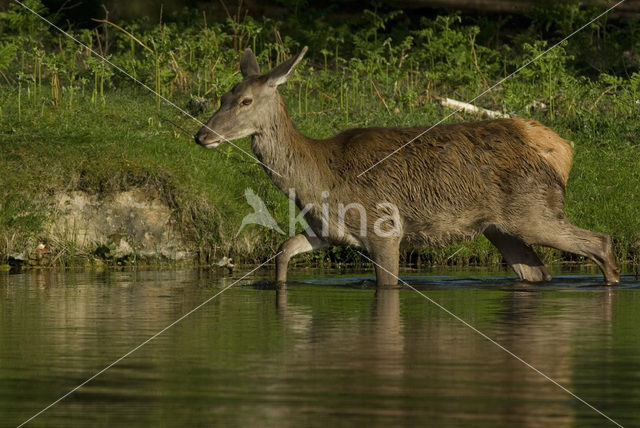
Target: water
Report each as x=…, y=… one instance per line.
x=327, y=351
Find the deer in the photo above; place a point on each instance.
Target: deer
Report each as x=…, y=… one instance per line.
x=503, y=178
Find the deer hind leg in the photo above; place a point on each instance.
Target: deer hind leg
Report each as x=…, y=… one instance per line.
x=301, y=243
x=564, y=236
x=517, y=254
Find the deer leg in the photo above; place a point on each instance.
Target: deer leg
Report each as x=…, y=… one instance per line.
x=564, y=236
x=386, y=256
x=520, y=256
x=301, y=243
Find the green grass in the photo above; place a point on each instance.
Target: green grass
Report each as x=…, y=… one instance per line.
x=127, y=142
x=69, y=122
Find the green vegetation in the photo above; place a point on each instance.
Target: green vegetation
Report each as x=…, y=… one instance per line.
x=70, y=121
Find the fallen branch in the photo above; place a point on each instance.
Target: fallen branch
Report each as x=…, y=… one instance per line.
x=470, y=108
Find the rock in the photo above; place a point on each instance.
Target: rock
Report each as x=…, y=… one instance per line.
x=123, y=250
x=225, y=262
x=198, y=105
x=19, y=257
x=536, y=106
x=128, y=224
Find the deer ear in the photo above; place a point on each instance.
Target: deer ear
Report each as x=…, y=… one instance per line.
x=281, y=73
x=249, y=64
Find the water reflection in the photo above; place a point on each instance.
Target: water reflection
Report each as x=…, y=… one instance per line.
x=433, y=354
x=387, y=341
x=316, y=353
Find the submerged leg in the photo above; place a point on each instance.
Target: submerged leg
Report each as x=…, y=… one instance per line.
x=301, y=243
x=386, y=254
x=520, y=256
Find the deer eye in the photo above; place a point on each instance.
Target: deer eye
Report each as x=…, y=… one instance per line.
x=246, y=102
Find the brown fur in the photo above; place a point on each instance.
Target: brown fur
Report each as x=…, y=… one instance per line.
x=505, y=178
x=554, y=149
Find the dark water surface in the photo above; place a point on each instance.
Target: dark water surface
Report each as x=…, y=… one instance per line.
x=327, y=351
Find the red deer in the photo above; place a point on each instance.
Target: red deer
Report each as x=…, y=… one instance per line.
x=504, y=178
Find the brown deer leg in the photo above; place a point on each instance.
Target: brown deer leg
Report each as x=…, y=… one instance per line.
x=386, y=254
x=521, y=257
x=301, y=243
x=566, y=237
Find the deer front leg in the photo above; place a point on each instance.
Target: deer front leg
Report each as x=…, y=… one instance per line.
x=301, y=243
x=386, y=255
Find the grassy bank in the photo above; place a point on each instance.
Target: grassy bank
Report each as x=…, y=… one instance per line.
x=68, y=121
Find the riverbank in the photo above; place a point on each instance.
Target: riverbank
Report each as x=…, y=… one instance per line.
x=126, y=145
x=95, y=168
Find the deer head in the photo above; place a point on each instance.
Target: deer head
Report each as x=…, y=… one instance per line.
x=250, y=105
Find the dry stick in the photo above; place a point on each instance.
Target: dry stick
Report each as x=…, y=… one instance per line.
x=4, y=76
x=181, y=76
x=380, y=96
x=475, y=63
x=104, y=21
x=239, y=11
x=99, y=43
x=327, y=96
x=212, y=88
x=452, y=255
x=226, y=9
x=104, y=29
x=64, y=7
x=606, y=91
x=184, y=131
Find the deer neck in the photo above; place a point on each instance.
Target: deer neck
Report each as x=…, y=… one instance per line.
x=285, y=153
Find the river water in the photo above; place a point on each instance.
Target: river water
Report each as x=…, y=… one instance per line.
x=326, y=351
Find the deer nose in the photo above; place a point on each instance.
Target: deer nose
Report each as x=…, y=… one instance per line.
x=200, y=137
x=203, y=138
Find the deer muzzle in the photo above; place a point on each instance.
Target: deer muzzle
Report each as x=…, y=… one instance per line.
x=206, y=140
